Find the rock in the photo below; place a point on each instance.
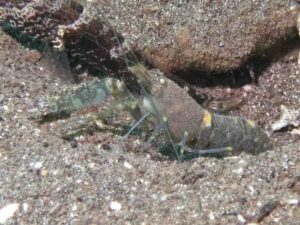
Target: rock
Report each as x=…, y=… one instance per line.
x=36, y=165
x=293, y=201
x=296, y=131
x=210, y=36
x=288, y=118
x=127, y=165
x=8, y=211
x=173, y=36
x=115, y=206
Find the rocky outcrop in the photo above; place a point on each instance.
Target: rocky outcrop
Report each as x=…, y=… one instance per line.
x=174, y=36
x=211, y=36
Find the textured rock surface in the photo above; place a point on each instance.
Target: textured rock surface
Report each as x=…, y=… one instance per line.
x=203, y=35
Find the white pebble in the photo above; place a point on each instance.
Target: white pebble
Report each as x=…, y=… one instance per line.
x=242, y=162
x=180, y=207
x=296, y=132
x=8, y=211
x=116, y=206
x=239, y=171
x=92, y=165
x=74, y=208
x=252, y=190
x=37, y=165
x=211, y=216
x=293, y=201
x=5, y=107
x=163, y=198
x=25, y=207
x=154, y=196
x=247, y=88
x=241, y=218
x=276, y=220
x=127, y=165
x=162, y=81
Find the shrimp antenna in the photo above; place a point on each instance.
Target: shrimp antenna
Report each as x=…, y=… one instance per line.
x=137, y=124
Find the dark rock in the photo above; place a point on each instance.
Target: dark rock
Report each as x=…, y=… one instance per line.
x=212, y=36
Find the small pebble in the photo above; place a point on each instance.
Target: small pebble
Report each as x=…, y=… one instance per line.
x=116, y=206
x=92, y=165
x=37, y=165
x=73, y=143
x=163, y=198
x=296, y=131
x=239, y=171
x=5, y=107
x=276, y=220
x=44, y=173
x=162, y=81
x=8, y=211
x=56, y=172
x=294, y=201
x=25, y=207
x=74, y=208
x=247, y=88
x=127, y=165
x=211, y=216
x=45, y=144
x=241, y=218
x=106, y=147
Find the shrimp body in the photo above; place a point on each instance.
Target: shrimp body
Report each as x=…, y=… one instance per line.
x=203, y=130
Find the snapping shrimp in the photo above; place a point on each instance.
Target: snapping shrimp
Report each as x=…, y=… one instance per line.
x=187, y=123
